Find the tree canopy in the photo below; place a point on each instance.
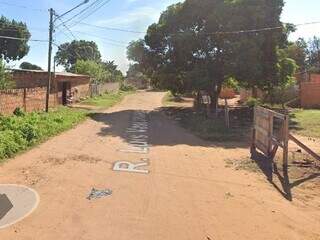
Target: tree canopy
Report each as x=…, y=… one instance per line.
x=69, y=53
x=30, y=66
x=5, y=78
x=13, y=49
x=110, y=66
x=197, y=45
x=95, y=70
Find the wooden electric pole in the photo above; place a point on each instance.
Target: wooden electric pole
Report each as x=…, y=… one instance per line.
x=49, y=58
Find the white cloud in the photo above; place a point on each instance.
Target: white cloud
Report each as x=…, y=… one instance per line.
x=138, y=17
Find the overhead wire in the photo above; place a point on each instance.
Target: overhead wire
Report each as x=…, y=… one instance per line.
x=23, y=39
x=99, y=6
x=82, y=11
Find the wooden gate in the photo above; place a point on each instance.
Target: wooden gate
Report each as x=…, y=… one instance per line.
x=268, y=141
x=264, y=137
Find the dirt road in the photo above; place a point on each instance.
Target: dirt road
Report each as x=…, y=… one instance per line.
x=185, y=192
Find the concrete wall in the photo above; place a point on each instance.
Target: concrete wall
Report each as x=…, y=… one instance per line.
x=99, y=89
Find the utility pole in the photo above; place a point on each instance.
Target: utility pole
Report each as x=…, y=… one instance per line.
x=49, y=58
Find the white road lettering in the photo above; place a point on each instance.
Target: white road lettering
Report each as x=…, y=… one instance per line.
x=124, y=166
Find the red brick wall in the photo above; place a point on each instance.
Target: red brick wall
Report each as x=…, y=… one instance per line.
x=30, y=79
x=26, y=99
x=315, y=78
x=310, y=94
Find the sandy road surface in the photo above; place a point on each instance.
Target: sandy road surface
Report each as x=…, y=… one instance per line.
x=188, y=193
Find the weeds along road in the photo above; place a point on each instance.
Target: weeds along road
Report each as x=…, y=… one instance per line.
x=166, y=183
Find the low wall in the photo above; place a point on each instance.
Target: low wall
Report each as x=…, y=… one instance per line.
x=99, y=89
x=310, y=94
x=28, y=99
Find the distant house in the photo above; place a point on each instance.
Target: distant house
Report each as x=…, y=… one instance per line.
x=309, y=89
x=65, y=87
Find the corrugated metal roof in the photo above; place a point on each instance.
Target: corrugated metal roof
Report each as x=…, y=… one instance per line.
x=62, y=74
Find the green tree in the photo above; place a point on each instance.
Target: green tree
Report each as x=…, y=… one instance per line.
x=95, y=70
x=5, y=77
x=298, y=52
x=197, y=45
x=29, y=66
x=116, y=75
x=69, y=53
x=13, y=49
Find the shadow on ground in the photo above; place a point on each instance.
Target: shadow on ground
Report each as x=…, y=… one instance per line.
x=163, y=131
x=283, y=184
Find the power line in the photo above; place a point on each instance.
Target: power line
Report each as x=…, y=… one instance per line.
x=112, y=29
x=23, y=39
x=90, y=13
x=81, y=12
x=58, y=17
x=212, y=33
x=101, y=37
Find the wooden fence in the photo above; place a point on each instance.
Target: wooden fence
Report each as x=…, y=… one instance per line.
x=271, y=131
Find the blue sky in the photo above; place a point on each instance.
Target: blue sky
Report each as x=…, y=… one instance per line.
x=125, y=14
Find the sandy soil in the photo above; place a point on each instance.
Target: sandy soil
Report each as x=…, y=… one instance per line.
x=188, y=194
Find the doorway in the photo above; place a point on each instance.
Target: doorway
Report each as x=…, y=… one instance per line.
x=65, y=87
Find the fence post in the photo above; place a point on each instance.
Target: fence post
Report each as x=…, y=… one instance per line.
x=285, y=141
x=270, y=133
x=25, y=99
x=253, y=140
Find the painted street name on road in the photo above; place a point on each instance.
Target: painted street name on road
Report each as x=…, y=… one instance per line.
x=138, y=143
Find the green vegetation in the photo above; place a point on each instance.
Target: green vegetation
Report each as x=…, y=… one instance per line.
x=29, y=66
x=5, y=78
x=169, y=99
x=214, y=129
x=211, y=129
x=12, y=49
x=93, y=69
x=252, y=102
x=69, y=53
x=107, y=100
x=24, y=130
x=180, y=53
x=306, y=123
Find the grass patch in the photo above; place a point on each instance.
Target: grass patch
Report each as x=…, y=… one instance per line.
x=213, y=129
x=170, y=100
x=18, y=133
x=243, y=164
x=107, y=100
x=306, y=123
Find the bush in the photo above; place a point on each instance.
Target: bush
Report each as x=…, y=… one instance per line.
x=127, y=88
x=252, y=102
x=24, y=130
x=18, y=112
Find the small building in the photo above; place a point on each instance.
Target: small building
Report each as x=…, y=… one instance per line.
x=65, y=87
x=309, y=90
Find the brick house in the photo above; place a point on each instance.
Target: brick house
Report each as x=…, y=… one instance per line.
x=65, y=87
x=309, y=89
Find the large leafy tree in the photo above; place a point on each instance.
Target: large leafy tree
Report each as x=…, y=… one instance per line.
x=13, y=49
x=69, y=53
x=29, y=66
x=197, y=45
x=5, y=77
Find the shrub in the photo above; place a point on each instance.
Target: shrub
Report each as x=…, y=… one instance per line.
x=24, y=130
x=127, y=88
x=18, y=112
x=252, y=102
